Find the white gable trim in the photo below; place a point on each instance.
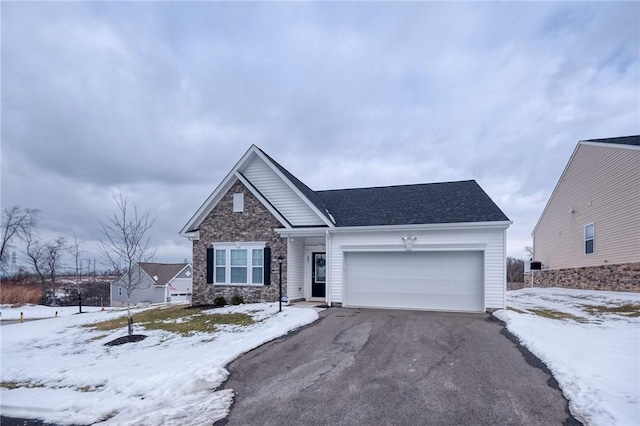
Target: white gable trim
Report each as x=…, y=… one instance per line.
x=189, y=229
x=263, y=200
x=295, y=189
x=143, y=271
x=215, y=197
x=180, y=271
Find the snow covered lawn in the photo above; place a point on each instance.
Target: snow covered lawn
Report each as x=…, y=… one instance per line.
x=590, y=340
x=7, y=312
x=60, y=371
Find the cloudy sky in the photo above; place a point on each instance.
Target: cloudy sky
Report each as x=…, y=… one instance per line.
x=160, y=99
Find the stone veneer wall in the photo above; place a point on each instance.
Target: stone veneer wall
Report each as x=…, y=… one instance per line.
x=256, y=223
x=622, y=277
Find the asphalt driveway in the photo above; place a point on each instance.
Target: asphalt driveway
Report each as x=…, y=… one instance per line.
x=384, y=367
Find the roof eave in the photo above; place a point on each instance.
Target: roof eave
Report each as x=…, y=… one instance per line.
x=504, y=224
x=610, y=145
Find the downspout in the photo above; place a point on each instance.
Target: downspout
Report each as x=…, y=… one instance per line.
x=289, y=262
x=329, y=276
x=504, y=269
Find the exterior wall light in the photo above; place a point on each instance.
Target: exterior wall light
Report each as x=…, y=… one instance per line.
x=408, y=242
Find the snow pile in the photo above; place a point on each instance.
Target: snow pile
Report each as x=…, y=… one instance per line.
x=590, y=343
x=66, y=375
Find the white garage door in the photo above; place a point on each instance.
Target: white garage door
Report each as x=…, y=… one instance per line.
x=180, y=297
x=451, y=281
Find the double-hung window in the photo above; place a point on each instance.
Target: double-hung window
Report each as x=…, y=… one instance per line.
x=239, y=265
x=589, y=237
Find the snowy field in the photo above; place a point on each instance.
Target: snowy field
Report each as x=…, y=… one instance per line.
x=590, y=340
x=58, y=371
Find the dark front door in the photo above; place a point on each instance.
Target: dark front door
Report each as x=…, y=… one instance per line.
x=319, y=275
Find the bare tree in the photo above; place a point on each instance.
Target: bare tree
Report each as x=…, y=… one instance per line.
x=54, y=250
x=36, y=256
x=126, y=243
x=515, y=270
x=16, y=222
x=76, y=251
x=529, y=251
x=45, y=258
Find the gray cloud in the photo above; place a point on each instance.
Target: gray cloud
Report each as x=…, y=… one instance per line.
x=160, y=99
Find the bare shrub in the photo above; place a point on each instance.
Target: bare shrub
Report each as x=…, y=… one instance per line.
x=20, y=294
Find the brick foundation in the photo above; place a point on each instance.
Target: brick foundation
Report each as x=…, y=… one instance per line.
x=622, y=277
x=255, y=223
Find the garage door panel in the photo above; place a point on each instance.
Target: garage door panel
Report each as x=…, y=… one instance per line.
x=415, y=280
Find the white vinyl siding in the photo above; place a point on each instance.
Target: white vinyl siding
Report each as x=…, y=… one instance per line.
x=283, y=198
x=600, y=185
x=295, y=268
x=488, y=240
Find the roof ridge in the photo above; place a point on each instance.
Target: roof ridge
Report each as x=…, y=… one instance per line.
x=396, y=186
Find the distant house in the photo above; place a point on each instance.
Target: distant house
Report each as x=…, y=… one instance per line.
x=588, y=235
x=433, y=246
x=161, y=282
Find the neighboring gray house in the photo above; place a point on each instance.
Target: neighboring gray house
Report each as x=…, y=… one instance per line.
x=438, y=246
x=161, y=282
x=588, y=235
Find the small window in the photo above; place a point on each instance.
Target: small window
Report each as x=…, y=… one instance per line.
x=238, y=203
x=221, y=262
x=589, y=236
x=256, y=266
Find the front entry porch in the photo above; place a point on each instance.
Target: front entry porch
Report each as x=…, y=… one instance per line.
x=307, y=268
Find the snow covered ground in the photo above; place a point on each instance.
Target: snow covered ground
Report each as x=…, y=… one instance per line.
x=39, y=312
x=61, y=372
x=590, y=340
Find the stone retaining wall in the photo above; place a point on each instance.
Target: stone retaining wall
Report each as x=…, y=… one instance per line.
x=622, y=277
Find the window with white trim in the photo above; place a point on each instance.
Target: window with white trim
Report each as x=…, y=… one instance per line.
x=239, y=265
x=589, y=237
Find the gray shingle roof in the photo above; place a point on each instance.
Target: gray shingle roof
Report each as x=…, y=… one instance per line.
x=622, y=140
x=446, y=202
x=164, y=271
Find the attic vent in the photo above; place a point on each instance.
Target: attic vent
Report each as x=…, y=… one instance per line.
x=155, y=278
x=238, y=203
